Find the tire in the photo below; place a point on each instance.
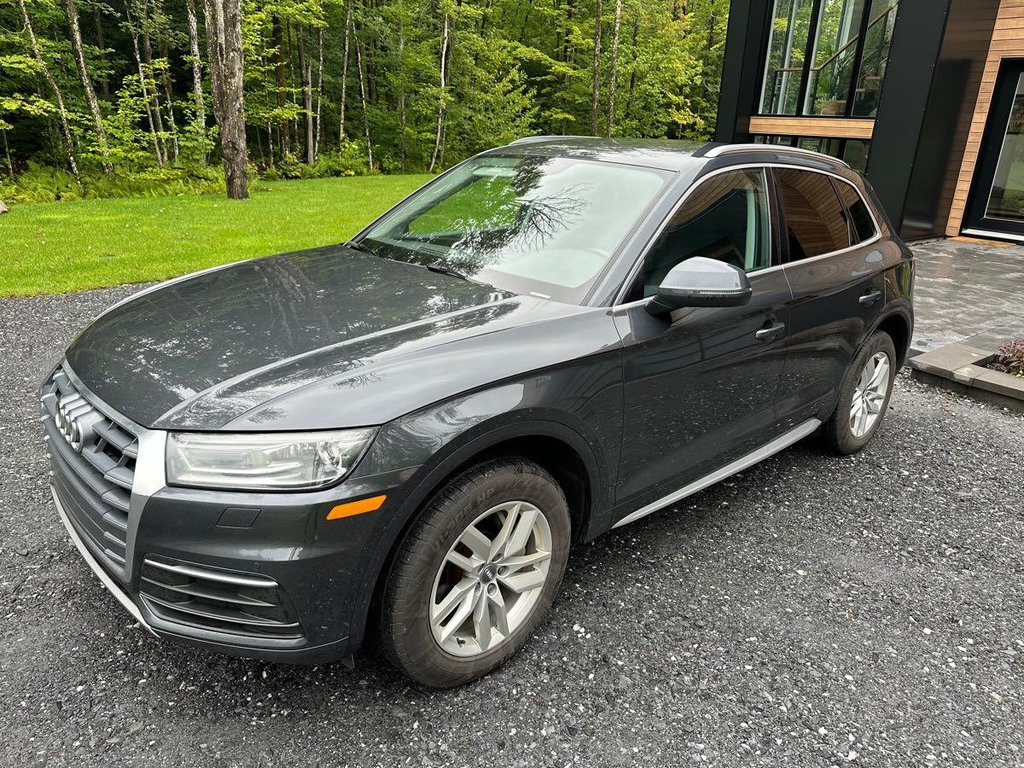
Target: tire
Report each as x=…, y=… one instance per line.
x=843, y=433
x=414, y=614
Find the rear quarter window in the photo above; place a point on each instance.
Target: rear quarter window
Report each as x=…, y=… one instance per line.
x=862, y=226
x=815, y=218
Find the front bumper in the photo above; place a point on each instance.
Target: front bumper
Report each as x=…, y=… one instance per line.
x=301, y=651
x=261, y=575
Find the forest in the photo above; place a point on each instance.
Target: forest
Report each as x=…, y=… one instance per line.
x=114, y=98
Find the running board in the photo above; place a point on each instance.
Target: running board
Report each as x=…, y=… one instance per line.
x=781, y=442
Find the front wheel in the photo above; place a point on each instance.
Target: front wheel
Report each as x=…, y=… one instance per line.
x=476, y=574
x=863, y=396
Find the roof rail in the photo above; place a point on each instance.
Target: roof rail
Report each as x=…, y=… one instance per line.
x=533, y=139
x=725, y=149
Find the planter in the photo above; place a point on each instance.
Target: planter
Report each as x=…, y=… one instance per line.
x=961, y=368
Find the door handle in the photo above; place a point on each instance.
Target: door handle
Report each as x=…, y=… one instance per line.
x=870, y=298
x=771, y=333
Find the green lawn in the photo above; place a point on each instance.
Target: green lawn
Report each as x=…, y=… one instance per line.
x=63, y=247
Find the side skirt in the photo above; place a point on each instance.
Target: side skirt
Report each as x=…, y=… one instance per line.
x=769, y=449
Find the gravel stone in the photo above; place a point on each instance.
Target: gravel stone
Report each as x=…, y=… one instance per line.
x=812, y=611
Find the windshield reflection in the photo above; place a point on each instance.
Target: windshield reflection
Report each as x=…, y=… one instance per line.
x=540, y=225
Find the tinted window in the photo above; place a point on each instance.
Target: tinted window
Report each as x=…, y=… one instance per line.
x=862, y=226
x=724, y=218
x=815, y=220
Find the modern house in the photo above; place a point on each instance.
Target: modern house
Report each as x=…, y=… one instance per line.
x=925, y=96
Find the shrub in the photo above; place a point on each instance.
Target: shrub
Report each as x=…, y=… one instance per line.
x=1010, y=358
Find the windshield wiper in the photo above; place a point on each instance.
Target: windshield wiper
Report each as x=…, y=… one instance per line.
x=358, y=246
x=443, y=270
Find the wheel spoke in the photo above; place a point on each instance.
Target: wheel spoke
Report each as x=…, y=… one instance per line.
x=441, y=611
x=880, y=374
x=476, y=541
x=498, y=545
x=523, y=581
x=874, y=401
x=461, y=561
x=865, y=375
x=499, y=612
x=482, y=622
x=524, y=527
x=519, y=562
x=459, y=617
x=862, y=421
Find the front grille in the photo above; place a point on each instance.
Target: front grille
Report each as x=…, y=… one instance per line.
x=93, y=459
x=197, y=597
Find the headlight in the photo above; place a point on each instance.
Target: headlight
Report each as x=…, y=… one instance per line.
x=263, y=462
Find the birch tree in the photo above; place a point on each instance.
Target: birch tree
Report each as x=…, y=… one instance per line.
x=44, y=70
x=71, y=11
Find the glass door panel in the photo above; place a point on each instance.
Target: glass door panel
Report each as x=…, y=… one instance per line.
x=1006, y=197
x=997, y=197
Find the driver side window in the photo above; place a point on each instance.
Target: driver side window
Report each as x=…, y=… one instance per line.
x=724, y=218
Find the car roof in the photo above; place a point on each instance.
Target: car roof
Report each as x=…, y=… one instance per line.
x=668, y=154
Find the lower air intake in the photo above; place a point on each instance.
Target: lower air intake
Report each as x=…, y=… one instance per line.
x=204, y=598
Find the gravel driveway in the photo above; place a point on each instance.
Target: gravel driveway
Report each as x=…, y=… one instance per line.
x=813, y=611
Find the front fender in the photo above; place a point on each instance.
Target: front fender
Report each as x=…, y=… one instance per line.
x=580, y=405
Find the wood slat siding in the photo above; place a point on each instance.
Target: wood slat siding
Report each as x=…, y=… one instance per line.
x=831, y=127
x=1007, y=42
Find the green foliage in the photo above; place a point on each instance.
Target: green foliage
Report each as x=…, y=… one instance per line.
x=511, y=68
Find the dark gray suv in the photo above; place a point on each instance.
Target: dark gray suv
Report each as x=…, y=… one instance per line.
x=402, y=437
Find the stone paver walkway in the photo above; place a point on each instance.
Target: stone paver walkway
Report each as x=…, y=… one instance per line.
x=968, y=291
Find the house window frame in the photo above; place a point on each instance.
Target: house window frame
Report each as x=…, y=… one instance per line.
x=810, y=51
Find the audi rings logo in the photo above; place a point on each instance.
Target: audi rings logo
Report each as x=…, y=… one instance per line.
x=75, y=419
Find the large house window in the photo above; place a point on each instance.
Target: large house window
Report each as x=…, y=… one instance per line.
x=827, y=57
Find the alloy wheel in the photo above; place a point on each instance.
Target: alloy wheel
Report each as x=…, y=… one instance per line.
x=869, y=395
x=491, y=579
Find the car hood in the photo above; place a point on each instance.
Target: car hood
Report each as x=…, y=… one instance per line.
x=224, y=348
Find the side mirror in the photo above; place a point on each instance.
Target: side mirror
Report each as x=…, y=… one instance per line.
x=701, y=282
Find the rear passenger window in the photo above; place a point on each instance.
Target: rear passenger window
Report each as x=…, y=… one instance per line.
x=862, y=226
x=815, y=218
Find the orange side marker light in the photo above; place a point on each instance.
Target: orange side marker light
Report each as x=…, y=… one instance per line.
x=352, y=508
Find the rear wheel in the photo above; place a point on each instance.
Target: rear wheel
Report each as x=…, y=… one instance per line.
x=477, y=573
x=863, y=396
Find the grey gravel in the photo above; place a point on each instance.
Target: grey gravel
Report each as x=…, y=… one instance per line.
x=813, y=611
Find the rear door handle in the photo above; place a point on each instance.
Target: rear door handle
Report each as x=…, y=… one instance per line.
x=771, y=333
x=870, y=298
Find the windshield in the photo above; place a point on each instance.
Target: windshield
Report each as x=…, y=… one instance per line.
x=546, y=226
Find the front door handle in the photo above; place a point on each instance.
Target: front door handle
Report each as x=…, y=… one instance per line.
x=870, y=298
x=771, y=333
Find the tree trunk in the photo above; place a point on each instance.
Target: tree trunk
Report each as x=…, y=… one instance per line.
x=71, y=11
x=224, y=39
x=306, y=74
x=344, y=74
x=595, y=91
x=97, y=20
x=282, y=85
x=615, y=69
x=69, y=142
x=198, y=100
x=144, y=86
x=632, y=74
x=147, y=58
x=442, y=101
x=401, y=87
x=319, y=89
x=362, y=97
x=7, y=154
x=165, y=54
